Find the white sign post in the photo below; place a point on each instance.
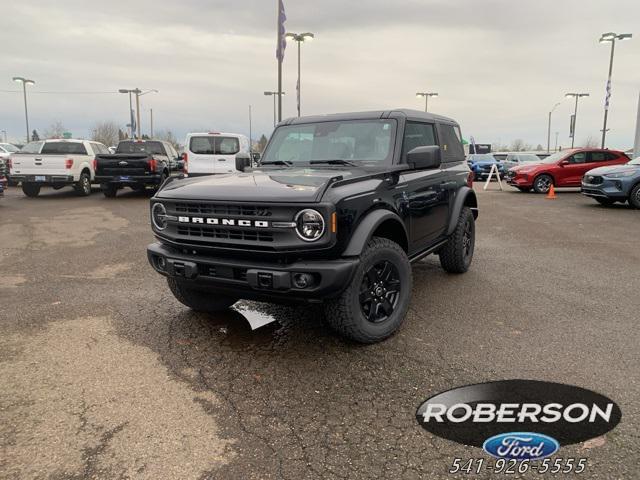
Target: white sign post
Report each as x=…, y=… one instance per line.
x=494, y=169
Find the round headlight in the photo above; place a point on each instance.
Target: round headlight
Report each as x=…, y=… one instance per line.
x=159, y=216
x=309, y=225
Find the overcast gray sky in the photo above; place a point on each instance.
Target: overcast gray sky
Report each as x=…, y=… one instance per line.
x=499, y=66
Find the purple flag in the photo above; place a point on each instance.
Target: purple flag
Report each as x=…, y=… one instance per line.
x=282, y=41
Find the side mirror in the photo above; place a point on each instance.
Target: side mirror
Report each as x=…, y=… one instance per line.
x=243, y=160
x=424, y=157
x=563, y=163
x=256, y=157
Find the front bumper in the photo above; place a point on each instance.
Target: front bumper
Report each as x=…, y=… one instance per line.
x=519, y=180
x=47, y=180
x=129, y=179
x=609, y=188
x=254, y=280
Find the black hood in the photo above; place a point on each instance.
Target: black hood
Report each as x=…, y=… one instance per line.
x=301, y=185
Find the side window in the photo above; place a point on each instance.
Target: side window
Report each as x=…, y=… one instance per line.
x=597, y=156
x=580, y=157
x=451, y=143
x=610, y=156
x=417, y=135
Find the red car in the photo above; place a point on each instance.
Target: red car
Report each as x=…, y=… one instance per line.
x=562, y=169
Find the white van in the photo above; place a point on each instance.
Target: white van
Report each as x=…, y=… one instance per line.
x=213, y=153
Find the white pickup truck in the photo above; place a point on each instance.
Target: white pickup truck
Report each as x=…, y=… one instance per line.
x=55, y=163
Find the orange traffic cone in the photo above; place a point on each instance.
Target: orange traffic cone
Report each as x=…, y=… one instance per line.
x=552, y=192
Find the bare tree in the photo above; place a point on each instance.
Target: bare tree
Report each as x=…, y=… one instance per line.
x=168, y=136
x=517, y=145
x=590, y=142
x=262, y=143
x=105, y=132
x=55, y=130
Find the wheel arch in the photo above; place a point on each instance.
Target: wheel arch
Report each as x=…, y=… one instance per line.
x=465, y=197
x=381, y=223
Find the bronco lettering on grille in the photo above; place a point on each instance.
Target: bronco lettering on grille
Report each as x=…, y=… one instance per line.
x=232, y=222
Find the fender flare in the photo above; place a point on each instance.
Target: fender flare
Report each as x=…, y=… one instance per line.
x=365, y=229
x=464, y=196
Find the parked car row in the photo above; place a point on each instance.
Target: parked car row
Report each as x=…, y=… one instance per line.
x=137, y=164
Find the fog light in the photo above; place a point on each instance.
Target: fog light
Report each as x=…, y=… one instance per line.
x=161, y=263
x=302, y=280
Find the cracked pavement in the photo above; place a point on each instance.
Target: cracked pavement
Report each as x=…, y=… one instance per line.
x=105, y=375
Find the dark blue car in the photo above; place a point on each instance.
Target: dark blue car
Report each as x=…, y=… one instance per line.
x=608, y=185
x=481, y=163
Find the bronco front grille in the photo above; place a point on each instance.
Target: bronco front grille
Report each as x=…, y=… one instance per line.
x=222, y=209
x=226, y=234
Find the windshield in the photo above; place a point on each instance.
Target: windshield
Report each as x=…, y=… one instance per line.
x=529, y=158
x=155, y=148
x=8, y=147
x=350, y=140
x=556, y=157
x=635, y=161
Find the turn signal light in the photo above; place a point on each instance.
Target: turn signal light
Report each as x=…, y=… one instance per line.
x=334, y=222
x=470, y=179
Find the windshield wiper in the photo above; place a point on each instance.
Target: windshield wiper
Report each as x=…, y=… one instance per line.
x=333, y=162
x=278, y=162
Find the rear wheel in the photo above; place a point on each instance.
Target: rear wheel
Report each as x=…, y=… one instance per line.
x=456, y=255
x=607, y=202
x=542, y=184
x=110, y=190
x=30, y=189
x=634, y=197
x=199, y=300
x=83, y=187
x=375, y=303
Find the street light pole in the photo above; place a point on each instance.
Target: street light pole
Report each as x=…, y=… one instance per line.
x=549, y=128
x=426, y=96
x=274, y=94
x=575, y=114
x=610, y=37
x=300, y=37
x=25, y=82
x=151, y=113
x=138, y=93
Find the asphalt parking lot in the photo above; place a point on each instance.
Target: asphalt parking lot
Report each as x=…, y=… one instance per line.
x=105, y=375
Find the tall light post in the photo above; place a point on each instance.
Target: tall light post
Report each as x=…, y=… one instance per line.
x=138, y=93
x=300, y=38
x=131, y=119
x=275, y=95
x=426, y=96
x=25, y=82
x=575, y=114
x=549, y=128
x=610, y=37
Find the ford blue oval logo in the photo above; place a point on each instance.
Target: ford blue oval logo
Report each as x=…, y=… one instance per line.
x=521, y=446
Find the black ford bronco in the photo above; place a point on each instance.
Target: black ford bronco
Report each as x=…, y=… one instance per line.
x=334, y=214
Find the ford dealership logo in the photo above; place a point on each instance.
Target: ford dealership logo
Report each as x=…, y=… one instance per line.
x=521, y=446
x=488, y=414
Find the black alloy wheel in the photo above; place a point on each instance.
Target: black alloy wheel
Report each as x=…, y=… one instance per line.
x=380, y=291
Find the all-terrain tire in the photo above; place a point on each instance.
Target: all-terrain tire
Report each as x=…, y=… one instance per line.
x=456, y=255
x=199, y=300
x=30, y=189
x=346, y=314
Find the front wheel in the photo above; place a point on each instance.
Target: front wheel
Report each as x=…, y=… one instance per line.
x=199, y=300
x=456, y=255
x=30, y=189
x=634, y=197
x=375, y=304
x=542, y=184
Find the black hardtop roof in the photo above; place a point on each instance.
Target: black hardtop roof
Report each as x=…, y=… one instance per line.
x=375, y=114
